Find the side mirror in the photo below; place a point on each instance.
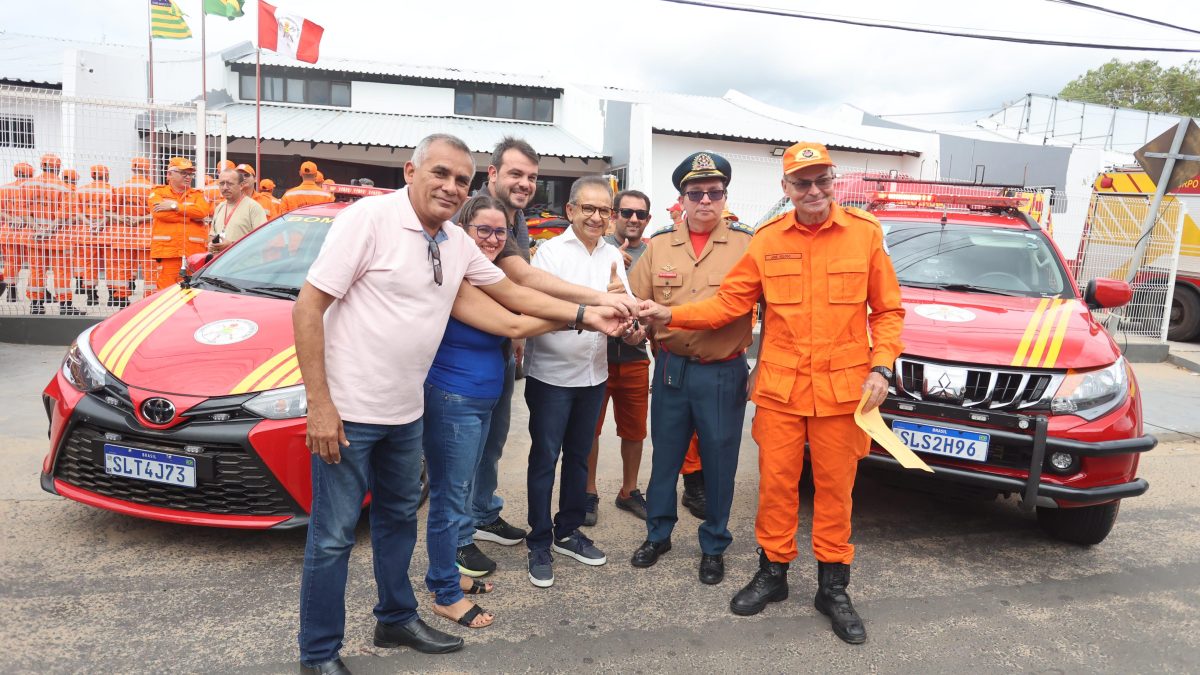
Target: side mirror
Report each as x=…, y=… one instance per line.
x=1107, y=293
x=197, y=260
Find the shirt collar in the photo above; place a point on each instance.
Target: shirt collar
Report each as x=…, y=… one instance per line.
x=409, y=220
x=837, y=216
x=569, y=233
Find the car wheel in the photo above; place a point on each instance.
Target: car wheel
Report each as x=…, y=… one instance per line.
x=424, y=485
x=1184, y=324
x=1085, y=526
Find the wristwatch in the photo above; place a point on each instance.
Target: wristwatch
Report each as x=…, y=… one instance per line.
x=884, y=371
x=577, y=324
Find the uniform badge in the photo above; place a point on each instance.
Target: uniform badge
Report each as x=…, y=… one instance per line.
x=702, y=162
x=807, y=153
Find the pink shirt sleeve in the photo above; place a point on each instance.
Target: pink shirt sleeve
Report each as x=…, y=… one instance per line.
x=346, y=254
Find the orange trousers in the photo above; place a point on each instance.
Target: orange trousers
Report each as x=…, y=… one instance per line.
x=62, y=269
x=836, y=444
x=691, y=461
x=14, y=256
x=166, y=273
x=121, y=268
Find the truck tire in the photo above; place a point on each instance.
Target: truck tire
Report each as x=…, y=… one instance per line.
x=1184, y=324
x=1085, y=526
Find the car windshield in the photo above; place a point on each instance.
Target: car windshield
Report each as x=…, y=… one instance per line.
x=272, y=260
x=976, y=259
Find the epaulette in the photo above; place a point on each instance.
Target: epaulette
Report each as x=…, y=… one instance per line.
x=859, y=213
x=776, y=219
x=738, y=226
x=669, y=228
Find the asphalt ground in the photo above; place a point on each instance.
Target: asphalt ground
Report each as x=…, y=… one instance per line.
x=944, y=585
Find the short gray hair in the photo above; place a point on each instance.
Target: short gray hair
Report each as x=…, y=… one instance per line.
x=449, y=139
x=589, y=181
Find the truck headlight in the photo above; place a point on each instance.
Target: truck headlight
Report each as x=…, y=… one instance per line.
x=81, y=367
x=279, y=404
x=1092, y=393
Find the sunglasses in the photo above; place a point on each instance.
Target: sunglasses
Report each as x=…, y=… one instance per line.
x=642, y=214
x=824, y=182
x=485, y=232
x=713, y=195
x=435, y=256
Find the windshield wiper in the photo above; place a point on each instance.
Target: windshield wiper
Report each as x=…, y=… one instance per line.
x=971, y=288
x=219, y=283
x=284, y=292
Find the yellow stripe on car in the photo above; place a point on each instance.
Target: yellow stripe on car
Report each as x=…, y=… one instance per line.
x=148, y=327
x=271, y=381
x=1039, y=345
x=134, y=322
x=1030, y=329
x=258, y=373
x=1060, y=332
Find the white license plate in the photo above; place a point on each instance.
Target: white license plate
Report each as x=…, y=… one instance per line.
x=944, y=441
x=156, y=467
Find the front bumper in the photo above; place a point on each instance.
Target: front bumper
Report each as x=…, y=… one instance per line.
x=1026, y=435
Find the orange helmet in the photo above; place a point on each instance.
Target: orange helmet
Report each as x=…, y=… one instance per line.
x=140, y=165
x=23, y=170
x=71, y=176
x=320, y=177
x=50, y=161
x=99, y=172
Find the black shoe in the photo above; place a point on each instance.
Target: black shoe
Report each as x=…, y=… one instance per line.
x=693, y=493
x=647, y=554
x=768, y=585
x=472, y=562
x=37, y=306
x=833, y=601
x=418, y=635
x=334, y=667
x=93, y=297
x=4, y=287
x=712, y=569
x=67, y=309
x=590, y=511
x=119, y=303
x=635, y=503
x=500, y=532
x=12, y=292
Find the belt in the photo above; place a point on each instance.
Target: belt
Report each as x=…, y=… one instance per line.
x=696, y=359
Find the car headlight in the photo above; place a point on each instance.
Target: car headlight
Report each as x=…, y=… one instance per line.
x=1092, y=393
x=279, y=404
x=81, y=367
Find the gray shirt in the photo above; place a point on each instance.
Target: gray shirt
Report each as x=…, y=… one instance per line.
x=618, y=351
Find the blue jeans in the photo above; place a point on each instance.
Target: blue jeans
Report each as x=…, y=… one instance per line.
x=455, y=427
x=485, y=503
x=709, y=398
x=561, y=420
x=386, y=460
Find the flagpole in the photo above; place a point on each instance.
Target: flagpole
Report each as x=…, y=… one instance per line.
x=258, y=92
x=150, y=80
x=203, y=93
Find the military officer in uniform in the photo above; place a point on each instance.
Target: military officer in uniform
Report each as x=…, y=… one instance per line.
x=700, y=376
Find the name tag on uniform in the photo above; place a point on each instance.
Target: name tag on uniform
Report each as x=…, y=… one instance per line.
x=668, y=275
x=783, y=256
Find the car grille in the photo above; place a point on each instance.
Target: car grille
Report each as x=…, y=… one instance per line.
x=976, y=387
x=240, y=484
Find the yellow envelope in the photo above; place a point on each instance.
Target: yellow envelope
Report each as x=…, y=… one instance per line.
x=872, y=423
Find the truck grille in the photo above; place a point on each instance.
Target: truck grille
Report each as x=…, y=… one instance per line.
x=976, y=387
x=240, y=485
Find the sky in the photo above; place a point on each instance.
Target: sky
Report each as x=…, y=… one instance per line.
x=801, y=65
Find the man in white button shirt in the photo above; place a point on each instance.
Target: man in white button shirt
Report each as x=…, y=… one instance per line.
x=566, y=373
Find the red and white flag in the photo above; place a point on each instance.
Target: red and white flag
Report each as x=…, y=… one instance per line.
x=287, y=33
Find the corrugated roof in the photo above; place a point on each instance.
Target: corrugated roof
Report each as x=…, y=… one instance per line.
x=401, y=70
x=324, y=125
x=725, y=117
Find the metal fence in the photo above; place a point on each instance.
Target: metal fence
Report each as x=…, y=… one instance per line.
x=74, y=225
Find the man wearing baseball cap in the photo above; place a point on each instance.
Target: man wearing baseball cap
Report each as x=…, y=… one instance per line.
x=265, y=201
x=177, y=227
x=14, y=239
x=821, y=268
x=266, y=195
x=308, y=192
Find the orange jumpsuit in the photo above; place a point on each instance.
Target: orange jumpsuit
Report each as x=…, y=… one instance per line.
x=212, y=193
x=13, y=233
x=128, y=239
x=50, y=208
x=267, y=202
x=818, y=350
x=95, y=203
x=306, y=193
x=176, y=234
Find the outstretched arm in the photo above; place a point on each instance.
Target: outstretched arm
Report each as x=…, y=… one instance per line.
x=474, y=308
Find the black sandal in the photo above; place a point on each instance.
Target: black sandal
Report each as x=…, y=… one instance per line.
x=478, y=588
x=470, y=616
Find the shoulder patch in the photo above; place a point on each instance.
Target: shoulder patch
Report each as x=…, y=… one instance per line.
x=859, y=213
x=777, y=219
x=669, y=228
x=737, y=226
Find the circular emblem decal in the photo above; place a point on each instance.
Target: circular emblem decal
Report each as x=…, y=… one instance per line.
x=945, y=313
x=225, y=332
x=808, y=153
x=158, y=410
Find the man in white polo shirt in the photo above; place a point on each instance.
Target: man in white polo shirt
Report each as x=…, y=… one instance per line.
x=564, y=386
x=388, y=274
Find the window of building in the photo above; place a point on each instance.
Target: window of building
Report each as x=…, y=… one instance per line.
x=503, y=106
x=16, y=131
x=294, y=92
x=311, y=91
x=340, y=94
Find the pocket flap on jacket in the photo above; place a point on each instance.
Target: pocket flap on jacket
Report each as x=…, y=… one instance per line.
x=848, y=357
x=779, y=357
x=841, y=265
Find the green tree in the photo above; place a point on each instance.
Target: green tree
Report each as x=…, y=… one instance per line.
x=1143, y=85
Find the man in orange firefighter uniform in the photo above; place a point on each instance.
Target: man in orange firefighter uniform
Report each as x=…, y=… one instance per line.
x=129, y=235
x=95, y=203
x=51, y=217
x=14, y=235
x=267, y=189
x=308, y=192
x=820, y=267
x=177, y=229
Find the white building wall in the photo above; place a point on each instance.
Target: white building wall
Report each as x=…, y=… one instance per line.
x=401, y=99
x=581, y=114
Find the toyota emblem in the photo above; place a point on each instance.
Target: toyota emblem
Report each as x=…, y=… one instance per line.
x=158, y=410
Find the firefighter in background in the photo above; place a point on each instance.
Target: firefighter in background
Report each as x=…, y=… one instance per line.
x=267, y=189
x=14, y=211
x=212, y=193
x=49, y=198
x=128, y=240
x=248, y=191
x=308, y=192
x=95, y=203
x=177, y=228
x=69, y=236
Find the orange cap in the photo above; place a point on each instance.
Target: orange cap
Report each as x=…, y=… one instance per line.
x=246, y=169
x=209, y=180
x=71, y=176
x=328, y=181
x=320, y=178
x=140, y=165
x=180, y=164
x=674, y=207
x=23, y=170
x=308, y=167
x=99, y=172
x=803, y=155
x=224, y=164
x=266, y=185
x=50, y=161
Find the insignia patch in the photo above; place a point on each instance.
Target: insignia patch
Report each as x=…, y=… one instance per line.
x=668, y=267
x=703, y=162
x=225, y=332
x=783, y=256
x=808, y=153
x=738, y=226
x=668, y=275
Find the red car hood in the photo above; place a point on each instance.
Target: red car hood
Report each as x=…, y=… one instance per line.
x=200, y=343
x=1004, y=331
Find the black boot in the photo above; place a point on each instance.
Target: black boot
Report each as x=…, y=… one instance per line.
x=37, y=306
x=93, y=297
x=833, y=601
x=693, y=493
x=67, y=309
x=768, y=585
x=12, y=292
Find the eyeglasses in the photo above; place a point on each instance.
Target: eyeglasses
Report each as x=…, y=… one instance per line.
x=642, y=214
x=435, y=255
x=824, y=183
x=485, y=232
x=590, y=210
x=713, y=195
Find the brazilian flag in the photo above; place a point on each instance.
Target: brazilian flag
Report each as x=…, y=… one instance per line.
x=230, y=9
x=166, y=21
